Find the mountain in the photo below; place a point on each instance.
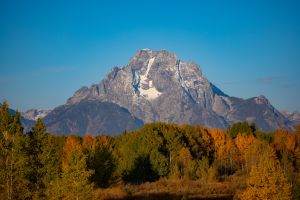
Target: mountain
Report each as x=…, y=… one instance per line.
x=294, y=117
x=158, y=86
x=34, y=114
x=91, y=117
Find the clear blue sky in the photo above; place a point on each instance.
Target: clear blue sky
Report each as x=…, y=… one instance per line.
x=49, y=49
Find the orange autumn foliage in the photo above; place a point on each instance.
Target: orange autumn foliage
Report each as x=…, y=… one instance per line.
x=267, y=180
x=72, y=145
x=285, y=141
x=226, y=151
x=88, y=142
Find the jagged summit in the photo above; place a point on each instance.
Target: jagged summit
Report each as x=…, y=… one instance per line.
x=159, y=86
x=261, y=99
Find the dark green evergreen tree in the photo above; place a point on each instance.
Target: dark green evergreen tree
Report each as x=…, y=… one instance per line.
x=13, y=183
x=43, y=159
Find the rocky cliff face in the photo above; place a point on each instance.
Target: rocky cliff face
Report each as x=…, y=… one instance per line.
x=158, y=86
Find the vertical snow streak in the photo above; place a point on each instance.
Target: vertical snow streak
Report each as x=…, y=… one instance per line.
x=181, y=81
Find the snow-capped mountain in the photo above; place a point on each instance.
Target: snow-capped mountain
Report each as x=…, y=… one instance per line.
x=292, y=116
x=34, y=114
x=159, y=86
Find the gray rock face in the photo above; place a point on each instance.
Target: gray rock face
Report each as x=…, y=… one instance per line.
x=158, y=86
x=91, y=117
x=256, y=110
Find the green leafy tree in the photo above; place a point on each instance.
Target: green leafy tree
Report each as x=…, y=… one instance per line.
x=142, y=171
x=100, y=159
x=146, y=143
x=241, y=127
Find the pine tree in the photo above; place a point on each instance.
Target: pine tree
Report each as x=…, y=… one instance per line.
x=74, y=181
x=5, y=118
x=35, y=139
x=50, y=159
x=13, y=184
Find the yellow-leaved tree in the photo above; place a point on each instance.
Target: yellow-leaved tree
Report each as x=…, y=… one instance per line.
x=267, y=180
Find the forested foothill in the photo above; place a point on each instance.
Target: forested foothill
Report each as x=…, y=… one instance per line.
x=158, y=161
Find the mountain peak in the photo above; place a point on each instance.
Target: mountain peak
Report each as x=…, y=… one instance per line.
x=261, y=99
x=158, y=86
x=146, y=54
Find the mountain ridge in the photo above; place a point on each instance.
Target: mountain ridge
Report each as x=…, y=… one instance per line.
x=157, y=86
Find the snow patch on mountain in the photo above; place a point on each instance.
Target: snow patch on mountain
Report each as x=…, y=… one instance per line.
x=144, y=78
x=143, y=86
x=150, y=93
x=34, y=114
x=158, y=86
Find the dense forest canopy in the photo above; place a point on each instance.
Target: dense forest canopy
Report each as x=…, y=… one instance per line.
x=250, y=163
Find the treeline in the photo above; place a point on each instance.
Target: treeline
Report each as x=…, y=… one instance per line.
x=40, y=165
